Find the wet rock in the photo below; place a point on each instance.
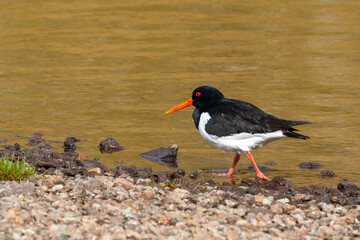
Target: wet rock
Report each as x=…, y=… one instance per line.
x=69, y=144
x=327, y=173
x=163, y=156
x=253, y=190
x=247, y=182
x=195, y=174
x=47, y=163
x=73, y=172
x=279, y=184
x=56, y=155
x=310, y=165
x=35, y=139
x=346, y=187
x=110, y=145
x=17, y=147
x=89, y=164
x=3, y=140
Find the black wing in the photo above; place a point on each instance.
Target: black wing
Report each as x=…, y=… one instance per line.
x=233, y=116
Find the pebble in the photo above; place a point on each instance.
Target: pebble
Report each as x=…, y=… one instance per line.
x=107, y=207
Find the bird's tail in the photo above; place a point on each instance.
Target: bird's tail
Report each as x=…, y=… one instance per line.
x=294, y=123
x=291, y=131
x=292, y=134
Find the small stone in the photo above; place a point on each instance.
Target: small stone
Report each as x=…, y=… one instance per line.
x=193, y=223
x=123, y=182
x=268, y=201
x=231, y=220
x=146, y=196
x=301, y=197
x=57, y=187
x=95, y=170
x=278, y=208
x=130, y=234
x=259, y=198
x=303, y=231
x=283, y=201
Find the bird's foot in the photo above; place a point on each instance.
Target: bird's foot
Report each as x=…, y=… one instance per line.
x=262, y=176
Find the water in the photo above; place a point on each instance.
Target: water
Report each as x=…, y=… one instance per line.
x=95, y=69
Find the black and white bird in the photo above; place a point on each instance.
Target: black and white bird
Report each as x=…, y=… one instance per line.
x=234, y=125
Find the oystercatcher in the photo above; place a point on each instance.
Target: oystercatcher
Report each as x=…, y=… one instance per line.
x=234, y=125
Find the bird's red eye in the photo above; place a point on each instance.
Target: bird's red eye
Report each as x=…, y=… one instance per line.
x=198, y=94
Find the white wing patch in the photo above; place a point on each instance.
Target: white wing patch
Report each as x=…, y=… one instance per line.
x=240, y=142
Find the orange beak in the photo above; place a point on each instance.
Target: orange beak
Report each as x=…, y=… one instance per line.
x=180, y=106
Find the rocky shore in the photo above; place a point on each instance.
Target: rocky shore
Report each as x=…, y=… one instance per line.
x=68, y=200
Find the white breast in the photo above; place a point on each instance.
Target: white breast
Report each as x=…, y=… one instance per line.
x=240, y=142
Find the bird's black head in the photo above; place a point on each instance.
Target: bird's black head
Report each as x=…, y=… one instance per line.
x=205, y=96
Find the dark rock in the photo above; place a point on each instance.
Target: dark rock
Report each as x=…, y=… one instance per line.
x=334, y=192
x=163, y=156
x=9, y=148
x=339, y=199
x=109, y=145
x=56, y=155
x=279, y=184
x=35, y=139
x=47, y=163
x=46, y=145
x=17, y=146
x=90, y=163
x=318, y=190
x=160, y=176
x=327, y=173
x=310, y=165
x=253, y=190
x=195, y=174
x=69, y=144
x=247, y=182
x=69, y=172
x=3, y=140
x=45, y=152
x=346, y=187
x=180, y=172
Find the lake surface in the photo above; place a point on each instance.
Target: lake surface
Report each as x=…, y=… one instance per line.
x=95, y=69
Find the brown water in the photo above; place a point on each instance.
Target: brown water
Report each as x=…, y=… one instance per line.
x=94, y=69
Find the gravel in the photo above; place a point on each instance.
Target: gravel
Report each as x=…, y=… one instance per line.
x=112, y=206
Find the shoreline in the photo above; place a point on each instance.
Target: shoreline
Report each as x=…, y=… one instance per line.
x=67, y=200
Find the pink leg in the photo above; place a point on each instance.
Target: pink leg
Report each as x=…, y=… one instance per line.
x=258, y=172
x=233, y=165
